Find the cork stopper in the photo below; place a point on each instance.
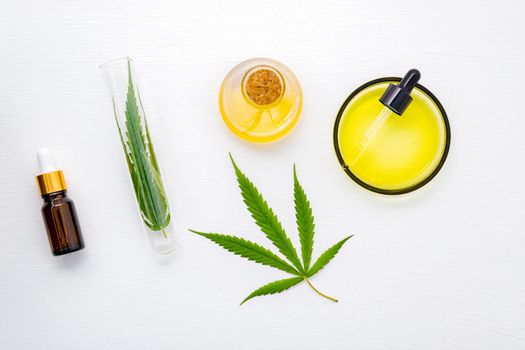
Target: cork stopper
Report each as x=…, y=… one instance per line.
x=264, y=86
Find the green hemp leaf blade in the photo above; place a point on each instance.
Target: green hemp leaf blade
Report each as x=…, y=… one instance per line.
x=274, y=287
x=305, y=221
x=143, y=166
x=249, y=250
x=265, y=218
x=326, y=257
x=272, y=228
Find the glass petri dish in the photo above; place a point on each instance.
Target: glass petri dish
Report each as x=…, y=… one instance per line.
x=260, y=100
x=406, y=151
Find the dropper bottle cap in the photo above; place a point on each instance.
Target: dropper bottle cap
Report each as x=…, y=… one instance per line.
x=397, y=97
x=51, y=178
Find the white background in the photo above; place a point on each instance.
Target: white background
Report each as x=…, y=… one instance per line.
x=442, y=268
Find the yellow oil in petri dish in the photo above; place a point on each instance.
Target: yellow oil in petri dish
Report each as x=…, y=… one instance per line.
x=260, y=100
x=389, y=153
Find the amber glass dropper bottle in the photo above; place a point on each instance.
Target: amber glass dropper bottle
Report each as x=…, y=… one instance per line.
x=58, y=210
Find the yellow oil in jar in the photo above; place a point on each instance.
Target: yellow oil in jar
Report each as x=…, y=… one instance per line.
x=386, y=152
x=262, y=110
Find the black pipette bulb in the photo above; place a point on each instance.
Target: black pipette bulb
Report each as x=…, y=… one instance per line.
x=397, y=97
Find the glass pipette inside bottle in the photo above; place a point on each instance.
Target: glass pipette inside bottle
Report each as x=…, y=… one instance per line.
x=396, y=99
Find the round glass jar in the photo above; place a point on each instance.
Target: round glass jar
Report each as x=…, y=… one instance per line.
x=260, y=100
x=406, y=150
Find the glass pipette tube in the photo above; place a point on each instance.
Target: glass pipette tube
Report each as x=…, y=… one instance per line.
x=370, y=135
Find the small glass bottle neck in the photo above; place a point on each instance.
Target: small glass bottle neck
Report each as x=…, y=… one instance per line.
x=54, y=196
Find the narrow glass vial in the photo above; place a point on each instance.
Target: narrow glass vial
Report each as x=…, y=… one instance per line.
x=141, y=160
x=59, y=212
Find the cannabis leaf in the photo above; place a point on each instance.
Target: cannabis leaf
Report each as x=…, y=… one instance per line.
x=249, y=250
x=142, y=164
x=274, y=287
x=265, y=218
x=269, y=224
x=326, y=257
x=305, y=221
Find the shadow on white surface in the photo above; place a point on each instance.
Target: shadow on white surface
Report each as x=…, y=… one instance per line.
x=71, y=260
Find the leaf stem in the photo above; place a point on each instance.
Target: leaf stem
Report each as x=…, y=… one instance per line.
x=164, y=233
x=318, y=292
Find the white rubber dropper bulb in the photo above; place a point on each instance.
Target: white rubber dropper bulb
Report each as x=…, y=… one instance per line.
x=46, y=161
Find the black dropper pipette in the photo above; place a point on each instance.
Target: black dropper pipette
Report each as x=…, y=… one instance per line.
x=397, y=97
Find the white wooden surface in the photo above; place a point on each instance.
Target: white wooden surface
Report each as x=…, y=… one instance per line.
x=442, y=268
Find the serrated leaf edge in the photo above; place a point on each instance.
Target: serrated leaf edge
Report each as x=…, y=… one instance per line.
x=265, y=290
x=326, y=257
x=266, y=219
x=226, y=242
x=304, y=220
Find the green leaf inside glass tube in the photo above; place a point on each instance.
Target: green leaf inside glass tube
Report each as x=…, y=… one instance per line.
x=143, y=165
